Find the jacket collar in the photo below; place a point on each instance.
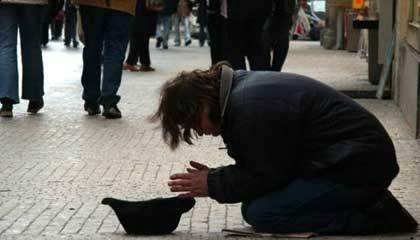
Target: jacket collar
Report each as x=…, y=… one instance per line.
x=226, y=79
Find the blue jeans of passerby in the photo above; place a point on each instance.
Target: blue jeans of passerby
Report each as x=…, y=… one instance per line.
x=164, y=21
x=106, y=34
x=312, y=206
x=185, y=21
x=26, y=18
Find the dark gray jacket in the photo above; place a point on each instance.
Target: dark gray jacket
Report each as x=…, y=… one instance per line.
x=279, y=127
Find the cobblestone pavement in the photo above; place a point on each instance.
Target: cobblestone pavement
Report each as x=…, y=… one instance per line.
x=56, y=166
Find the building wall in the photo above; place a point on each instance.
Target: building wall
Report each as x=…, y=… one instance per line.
x=406, y=77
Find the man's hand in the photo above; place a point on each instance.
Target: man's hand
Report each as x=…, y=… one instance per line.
x=193, y=183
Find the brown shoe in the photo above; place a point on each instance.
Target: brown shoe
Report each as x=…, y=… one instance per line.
x=131, y=68
x=146, y=69
x=6, y=110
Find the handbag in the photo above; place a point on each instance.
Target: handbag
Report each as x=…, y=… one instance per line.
x=154, y=5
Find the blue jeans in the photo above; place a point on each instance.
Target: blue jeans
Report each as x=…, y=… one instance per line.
x=26, y=18
x=312, y=206
x=185, y=21
x=164, y=21
x=106, y=35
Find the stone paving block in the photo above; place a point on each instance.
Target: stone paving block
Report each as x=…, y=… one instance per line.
x=23, y=223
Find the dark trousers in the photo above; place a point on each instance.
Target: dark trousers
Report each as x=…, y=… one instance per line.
x=70, y=27
x=45, y=29
x=280, y=48
x=202, y=35
x=56, y=28
x=244, y=39
x=106, y=35
x=314, y=205
x=216, y=27
x=139, y=41
x=26, y=19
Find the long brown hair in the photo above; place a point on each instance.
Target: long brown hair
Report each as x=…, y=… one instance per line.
x=181, y=103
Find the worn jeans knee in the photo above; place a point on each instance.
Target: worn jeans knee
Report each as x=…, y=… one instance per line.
x=261, y=218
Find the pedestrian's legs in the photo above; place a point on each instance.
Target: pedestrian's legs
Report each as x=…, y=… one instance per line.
x=70, y=28
x=177, y=29
x=312, y=206
x=144, y=49
x=166, y=22
x=280, y=50
x=56, y=29
x=159, y=26
x=216, y=36
x=187, y=34
x=237, y=31
x=45, y=27
x=92, y=24
x=135, y=35
x=202, y=35
x=253, y=49
x=32, y=65
x=266, y=49
x=115, y=46
x=9, y=78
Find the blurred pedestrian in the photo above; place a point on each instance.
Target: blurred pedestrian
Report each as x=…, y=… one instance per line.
x=27, y=18
x=57, y=25
x=216, y=26
x=182, y=17
x=308, y=24
x=53, y=18
x=276, y=34
x=202, y=21
x=70, y=35
x=142, y=28
x=245, y=20
x=105, y=25
x=163, y=29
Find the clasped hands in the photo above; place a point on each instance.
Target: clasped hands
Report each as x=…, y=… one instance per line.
x=191, y=184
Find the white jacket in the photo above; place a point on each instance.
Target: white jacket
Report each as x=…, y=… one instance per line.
x=43, y=2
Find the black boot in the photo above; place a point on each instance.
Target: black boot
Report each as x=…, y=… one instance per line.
x=389, y=216
x=35, y=105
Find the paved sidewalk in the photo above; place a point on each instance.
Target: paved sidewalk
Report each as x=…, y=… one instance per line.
x=56, y=166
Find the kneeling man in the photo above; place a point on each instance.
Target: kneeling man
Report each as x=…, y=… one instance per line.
x=307, y=158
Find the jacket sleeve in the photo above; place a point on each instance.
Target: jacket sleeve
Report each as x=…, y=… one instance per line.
x=265, y=150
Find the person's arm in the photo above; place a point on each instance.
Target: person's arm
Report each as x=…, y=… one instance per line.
x=265, y=143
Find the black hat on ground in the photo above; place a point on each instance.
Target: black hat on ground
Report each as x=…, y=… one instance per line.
x=153, y=217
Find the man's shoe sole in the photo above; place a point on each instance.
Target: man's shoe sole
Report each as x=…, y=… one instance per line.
x=34, y=110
